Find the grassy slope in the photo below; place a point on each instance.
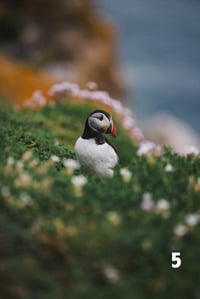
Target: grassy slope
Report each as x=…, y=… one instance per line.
x=102, y=244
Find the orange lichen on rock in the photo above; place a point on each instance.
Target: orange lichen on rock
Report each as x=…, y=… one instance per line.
x=19, y=81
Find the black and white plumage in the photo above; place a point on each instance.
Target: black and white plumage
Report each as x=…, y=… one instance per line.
x=93, y=151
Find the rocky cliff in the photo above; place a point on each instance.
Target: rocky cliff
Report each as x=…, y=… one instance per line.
x=68, y=40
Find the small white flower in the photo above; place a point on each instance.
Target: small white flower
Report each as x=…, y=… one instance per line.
x=192, y=219
x=63, y=88
x=114, y=218
x=145, y=148
x=38, y=98
x=92, y=85
x=191, y=150
x=78, y=182
x=84, y=94
x=71, y=163
x=33, y=163
x=23, y=180
x=126, y=174
x=54, y=158
x=5, y=191
x=158, y=150
x=10, y=161
x=102, y=96
x=25, y=198
x=111, y=273
x=162, y=205
x=27, y=155
x=169, y=168
x=147, y=203
x=107, y=101
x=19, y=165
x=180, y=230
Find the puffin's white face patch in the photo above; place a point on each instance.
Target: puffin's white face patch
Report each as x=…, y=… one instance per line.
x=98, y=121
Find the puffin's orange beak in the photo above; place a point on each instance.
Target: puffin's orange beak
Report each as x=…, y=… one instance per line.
x=112, y=130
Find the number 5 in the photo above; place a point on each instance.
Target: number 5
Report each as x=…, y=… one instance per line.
x=176, y=260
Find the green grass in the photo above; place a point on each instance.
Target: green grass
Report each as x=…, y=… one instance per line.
x=102, y=244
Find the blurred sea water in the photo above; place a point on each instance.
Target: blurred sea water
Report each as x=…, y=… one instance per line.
x=159, y=48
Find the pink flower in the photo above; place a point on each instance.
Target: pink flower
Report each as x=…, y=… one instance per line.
x=147, y=203
x=128, y=122
x=191, y=150
x=63, y=88
x=92, y=85
x=146, y=147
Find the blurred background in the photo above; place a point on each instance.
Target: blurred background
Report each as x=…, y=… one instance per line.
x=160, y=50
x=159, y=44
x=145, y=53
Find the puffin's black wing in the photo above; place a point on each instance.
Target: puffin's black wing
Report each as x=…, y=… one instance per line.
x=112, y=146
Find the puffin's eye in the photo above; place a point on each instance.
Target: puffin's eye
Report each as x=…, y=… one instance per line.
x=101, y=117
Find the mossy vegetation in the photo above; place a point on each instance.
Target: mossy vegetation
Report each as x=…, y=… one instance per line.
x=106, y=238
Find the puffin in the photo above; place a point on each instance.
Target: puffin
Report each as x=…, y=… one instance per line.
x=95, y=154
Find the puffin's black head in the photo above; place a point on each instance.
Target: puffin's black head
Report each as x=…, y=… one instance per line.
x=98, y=122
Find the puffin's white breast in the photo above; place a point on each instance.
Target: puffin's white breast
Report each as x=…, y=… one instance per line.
x=98, y=159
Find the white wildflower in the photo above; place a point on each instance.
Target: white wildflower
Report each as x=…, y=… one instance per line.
x=5, y=191
x=191, y=150
x=23, y=180
x=56, y=142
x=10, y=161
x=158, y=150
x=103, y=96
x=145, y=147
x=111, y=273
x=19, y=165
x=192, y=219
x=107, y=101
x=33, y=163
x=74, y=90
x=180, y=230
x=54, y=158
x=147, y=203
x=92, y=85
x=126, y=174
x=27, y=155
x=63, y=88
x=78, y=182
x=71, y=165
x=38, y=98
x=84, y=94
x=114, y=218
x=25, y=198
x=162, y=205
x=169, y=168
